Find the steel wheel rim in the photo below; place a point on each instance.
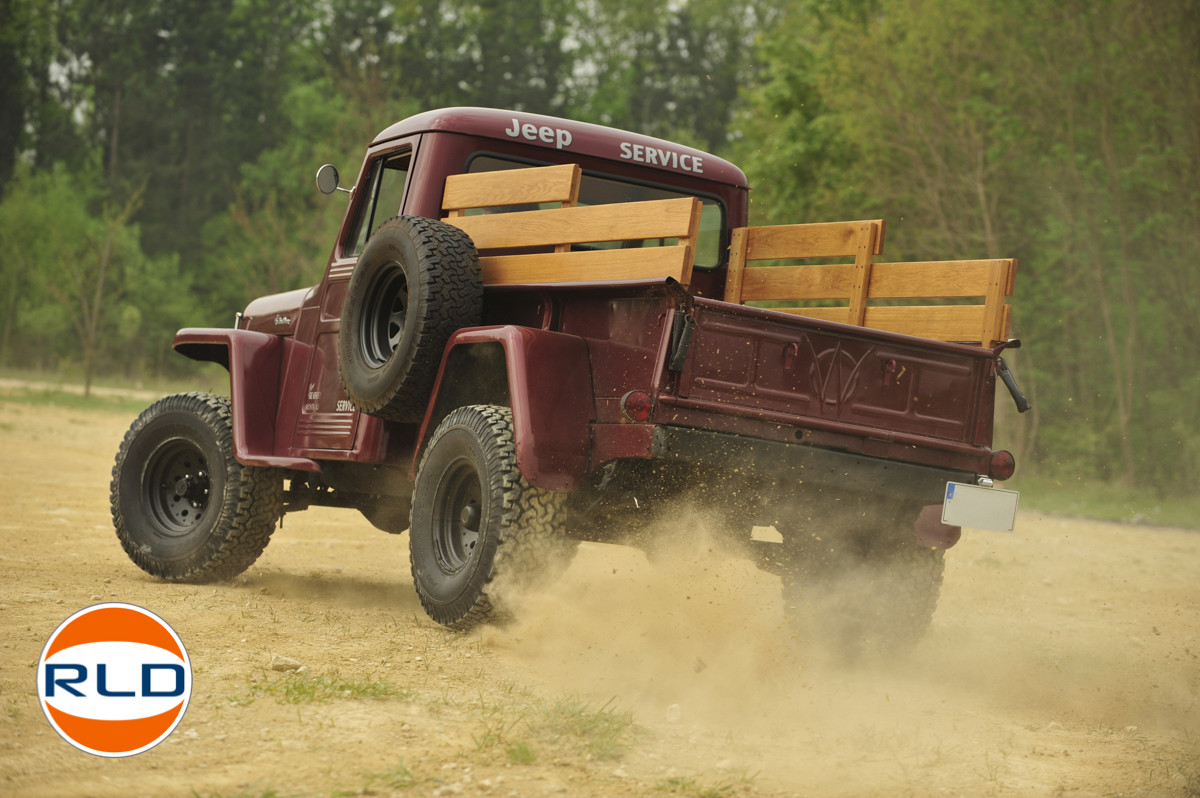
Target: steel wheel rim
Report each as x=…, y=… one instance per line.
x=383, y=321
x=458, y=517
x=177, y=487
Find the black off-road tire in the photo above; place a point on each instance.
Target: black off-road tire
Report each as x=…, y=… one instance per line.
x=417, y=281
x=859, y=595
x=480, y=534
x=184, y=509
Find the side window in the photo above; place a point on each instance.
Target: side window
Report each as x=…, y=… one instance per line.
x=384, y=188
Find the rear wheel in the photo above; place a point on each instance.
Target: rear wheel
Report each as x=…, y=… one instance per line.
x=480, y=533
x=860, y=591
x=184, y=509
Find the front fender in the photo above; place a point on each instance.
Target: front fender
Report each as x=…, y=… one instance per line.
x=255, y=362
x=549, y=388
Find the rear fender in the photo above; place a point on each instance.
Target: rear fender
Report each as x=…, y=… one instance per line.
x=544, y=376
x=255, y=362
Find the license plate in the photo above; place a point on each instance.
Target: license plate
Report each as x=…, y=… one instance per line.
x=979, y=508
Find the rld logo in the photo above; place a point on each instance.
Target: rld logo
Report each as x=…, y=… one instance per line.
x=114, y=680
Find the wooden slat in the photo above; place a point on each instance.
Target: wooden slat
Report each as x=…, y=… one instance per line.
x=940, y=322
x=674, y=218
x=955, y=278
x=735, y=272
x=691, y=240
x=864, y=244
x=950, y=278
x=600, y=265
x=824, y=281
x=512, y=187
x=795, y=241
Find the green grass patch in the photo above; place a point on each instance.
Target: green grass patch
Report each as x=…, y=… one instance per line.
x=521, y=753
x=605, y=732
x=306, y=688
x=250, y=792
x=686, y=785
x=523, y=725
x=1108, y=503
x=69, y=400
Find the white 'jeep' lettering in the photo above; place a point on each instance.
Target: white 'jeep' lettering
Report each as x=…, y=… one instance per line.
x=655, y=156
x=545, y=134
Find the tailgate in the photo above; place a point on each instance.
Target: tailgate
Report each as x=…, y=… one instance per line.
x=836, y=385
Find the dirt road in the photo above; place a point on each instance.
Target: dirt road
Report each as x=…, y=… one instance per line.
x=1064, y=660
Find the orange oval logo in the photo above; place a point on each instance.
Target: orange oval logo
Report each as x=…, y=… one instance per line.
x=114, y=680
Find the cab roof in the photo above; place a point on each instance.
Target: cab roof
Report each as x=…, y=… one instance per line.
x=564, y=134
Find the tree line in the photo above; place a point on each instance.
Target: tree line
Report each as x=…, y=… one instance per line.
x=156, y=162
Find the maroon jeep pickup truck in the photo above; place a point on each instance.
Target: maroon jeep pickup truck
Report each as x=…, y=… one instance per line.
x=502, y=417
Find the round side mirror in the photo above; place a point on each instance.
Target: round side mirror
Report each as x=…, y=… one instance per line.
x=327, y=179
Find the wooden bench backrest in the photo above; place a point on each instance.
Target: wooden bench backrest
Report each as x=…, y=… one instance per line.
x=510, y=187
x=864, y=281
x=557, y=230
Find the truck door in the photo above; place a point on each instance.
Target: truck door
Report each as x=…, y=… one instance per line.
x=326, y=419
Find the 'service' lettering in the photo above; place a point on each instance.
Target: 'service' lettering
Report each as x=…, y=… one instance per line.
x=656, y=156
x=542, y=134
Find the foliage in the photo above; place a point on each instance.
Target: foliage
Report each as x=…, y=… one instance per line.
x=77, y=282
x=1064, y=134
x=156, y=168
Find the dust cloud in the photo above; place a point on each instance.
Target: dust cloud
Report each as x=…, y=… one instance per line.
x=1033, y=636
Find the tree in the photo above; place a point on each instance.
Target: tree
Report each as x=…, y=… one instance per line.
x=80, y=265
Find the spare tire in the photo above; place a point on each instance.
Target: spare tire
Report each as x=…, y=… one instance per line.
x=416, y=282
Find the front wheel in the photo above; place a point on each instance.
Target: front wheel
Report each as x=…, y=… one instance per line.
x=184, y=509
x=479, y=531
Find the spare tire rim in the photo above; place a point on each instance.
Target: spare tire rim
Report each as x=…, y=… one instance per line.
x=458, y=516
x=383, y=318
x=176, y=487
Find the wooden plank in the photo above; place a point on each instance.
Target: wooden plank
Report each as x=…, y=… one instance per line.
x=864, y=244
x=692, y=241
x=993, y=303
x=940, y=322
x=823, y=281
x=956, y=279
x=795, y=241
x=512, y=187
x=951, y=278
x=672, y=218
x=737, y=264
x=615, y=265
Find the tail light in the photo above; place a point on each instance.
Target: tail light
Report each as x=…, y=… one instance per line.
x=1002, y=465
x=637, y=405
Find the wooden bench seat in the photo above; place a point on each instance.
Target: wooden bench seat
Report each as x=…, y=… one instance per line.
x=568, y=241
x=920, y=298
